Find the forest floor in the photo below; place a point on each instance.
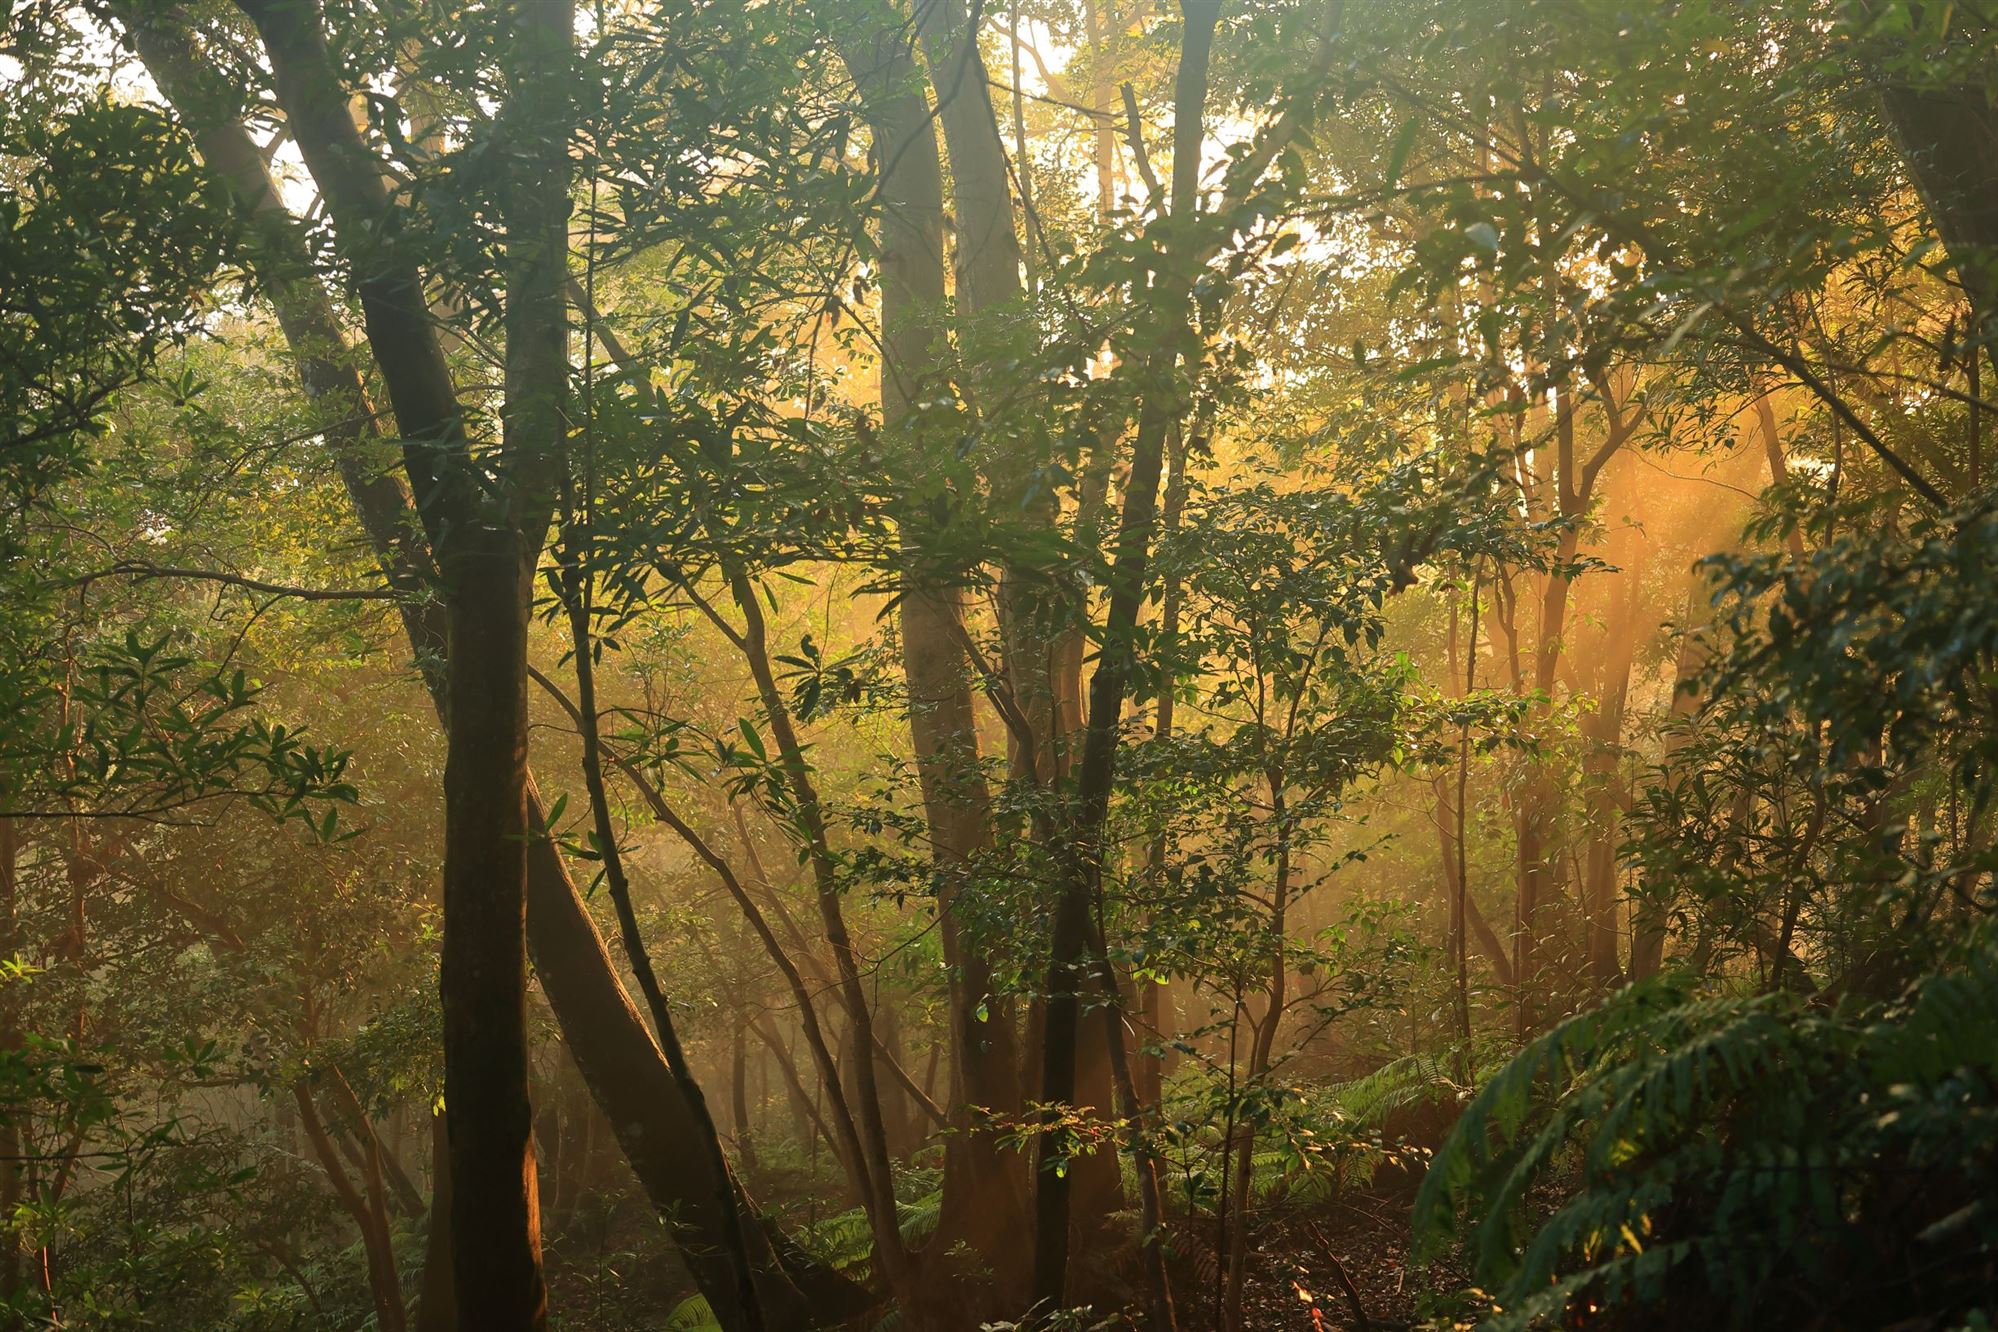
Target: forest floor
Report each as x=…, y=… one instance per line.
x=1296, y=1264
x=613, y=1274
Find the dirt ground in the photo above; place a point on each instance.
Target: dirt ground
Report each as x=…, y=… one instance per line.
x=1296, y=1264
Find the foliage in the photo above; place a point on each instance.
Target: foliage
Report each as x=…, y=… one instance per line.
x=110, y=237
x=1479, y=335
x=1737, y=1155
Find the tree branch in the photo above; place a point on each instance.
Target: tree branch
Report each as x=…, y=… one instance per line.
x=138, y=569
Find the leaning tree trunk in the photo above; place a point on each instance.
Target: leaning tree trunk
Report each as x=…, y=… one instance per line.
x=384, y=1285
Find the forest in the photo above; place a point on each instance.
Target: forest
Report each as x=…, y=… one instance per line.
x=931, y=665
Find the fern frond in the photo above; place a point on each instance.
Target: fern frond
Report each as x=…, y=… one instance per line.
x=692, y=1315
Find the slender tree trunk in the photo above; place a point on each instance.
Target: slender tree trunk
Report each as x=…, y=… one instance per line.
x=1456, y=851
x=811, y=1121
x=437, y=1303
x=384, y=1284
x=1650, y=915
x=362, y=1127
x=745, y=1133
x=1138, y=1116
x=1779, y=465
x=11, y=1273
x=1538, y=799
x=1148, y=1086
x=891, y=1255
x=1078, y=849
x=1602, y=734
x=1261, y=1053
x=1449, y=820
x=745, y=1307
x=846, y=1141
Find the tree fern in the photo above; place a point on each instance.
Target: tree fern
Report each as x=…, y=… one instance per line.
x=1727, y=1152
x=842, y=1240
x=846, y=1239
x=919, y=1218
x=1334, y=1137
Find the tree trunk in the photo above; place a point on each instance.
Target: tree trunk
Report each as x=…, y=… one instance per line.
x=1261, y=1052
x=325, y=365
x=891, y=1257
x=384, y=1284
x=621, y=1065
x=437, y=1302
x=983, y=1194
x=738, y=1098
x=485, y=573
x=10, y=1043
x=650, y=1116
x=362, y=1127
x=1487, y=938
x=495, y=1210
x=486, y=561
x=1650, y=916
x=744, y=1308
x=1078, y=848
x=624, y=1069
x=990, y=293
x=1572, y=484
x=1602, y=734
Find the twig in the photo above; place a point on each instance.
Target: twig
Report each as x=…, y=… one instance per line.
x=1339, y=1274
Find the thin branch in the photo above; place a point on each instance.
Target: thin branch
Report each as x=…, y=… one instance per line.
x=138, y=569
x=1044, y=98
x=1134, y=136
x=849, y=1140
